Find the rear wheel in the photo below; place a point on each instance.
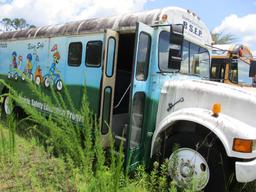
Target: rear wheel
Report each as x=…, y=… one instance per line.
x=46, y=82
x=199, y=161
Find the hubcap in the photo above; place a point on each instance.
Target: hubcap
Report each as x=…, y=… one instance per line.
x=188, y=167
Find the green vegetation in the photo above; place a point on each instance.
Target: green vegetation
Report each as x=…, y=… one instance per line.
x=220, y=38
x=15, y=24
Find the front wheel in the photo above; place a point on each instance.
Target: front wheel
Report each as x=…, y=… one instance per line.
x=199, y=163
x=23, y=76
x=7, y=106
x=38, y=80
x=59, y=85
x=47, y=82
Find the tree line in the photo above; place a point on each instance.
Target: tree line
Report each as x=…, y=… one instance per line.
x=15, y=24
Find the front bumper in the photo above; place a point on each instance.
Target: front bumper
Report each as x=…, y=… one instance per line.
x=245, y=171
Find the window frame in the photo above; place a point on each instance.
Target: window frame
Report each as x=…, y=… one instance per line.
x=103, y=131
x=189, y=57
x=114, y=55
x=147, y=55
x=81, y=57
x=100, y=64
x=138, y=144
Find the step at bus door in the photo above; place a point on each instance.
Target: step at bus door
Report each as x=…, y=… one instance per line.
x=108, y=83
x=140, y=80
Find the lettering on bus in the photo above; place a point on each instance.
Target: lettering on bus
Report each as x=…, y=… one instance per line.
x=3, y=45
x=35, y=46
x=192, y=28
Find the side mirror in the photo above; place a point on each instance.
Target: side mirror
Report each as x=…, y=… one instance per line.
x=175, y=48
x=252, y=71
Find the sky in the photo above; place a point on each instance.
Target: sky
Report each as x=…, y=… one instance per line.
x=237, y=17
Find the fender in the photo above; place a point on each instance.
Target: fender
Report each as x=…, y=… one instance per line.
x=224, y=127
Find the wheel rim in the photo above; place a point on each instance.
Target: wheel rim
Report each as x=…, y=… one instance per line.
x=46, y=82
x=188, y=167
x=59, y=85
x=16, y=76
x=38, y=80
x=30, y=77
x=7, y=106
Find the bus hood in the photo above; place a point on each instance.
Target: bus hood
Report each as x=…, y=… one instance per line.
x=235, y=102
x=250, y=89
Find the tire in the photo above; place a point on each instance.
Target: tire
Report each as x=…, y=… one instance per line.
x=9, y=75
x=30, y=76
x=8, y=106
x=209, y=160
x=38, y=80
x=23, y=76
x=16, y=76
x=46, y=82
x=59, y=85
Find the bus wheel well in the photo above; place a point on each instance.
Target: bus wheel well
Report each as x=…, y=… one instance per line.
x=5, y=90
x=180, y=127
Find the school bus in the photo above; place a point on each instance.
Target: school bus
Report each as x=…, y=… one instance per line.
x=231, y=64
x=147, y=76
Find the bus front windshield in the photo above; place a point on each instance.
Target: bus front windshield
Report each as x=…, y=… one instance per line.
x=195, y=59
x=239, y=72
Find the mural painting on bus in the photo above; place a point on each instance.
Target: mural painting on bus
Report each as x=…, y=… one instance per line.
x=28, y=68
x=13, y=73
x=53, y=75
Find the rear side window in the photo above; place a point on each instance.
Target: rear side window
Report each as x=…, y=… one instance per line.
x=75, y=54
x=93, y=53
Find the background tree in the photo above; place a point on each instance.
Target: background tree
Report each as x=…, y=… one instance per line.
x=7, y=23
x=220, y=38
x=15, y=24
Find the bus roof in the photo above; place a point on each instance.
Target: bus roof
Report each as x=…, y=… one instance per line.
x=195, y=30
x=225, y=50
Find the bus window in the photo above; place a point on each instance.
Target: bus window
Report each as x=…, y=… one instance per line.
x=106, y=110
x=243, y=73
x=110, y=56
x=233, y=76
x=185, y=57
x=218, y=67
x=199, y=60
x=75, y=54
x=93, y=53
x=195, y=59
x=137, y=118
x=143, y=57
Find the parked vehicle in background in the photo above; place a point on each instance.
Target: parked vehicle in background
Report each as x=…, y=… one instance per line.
x=231, y=64
x=146, y=76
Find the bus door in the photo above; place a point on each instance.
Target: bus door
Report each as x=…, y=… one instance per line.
x=108, y=81
x=140, y=80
